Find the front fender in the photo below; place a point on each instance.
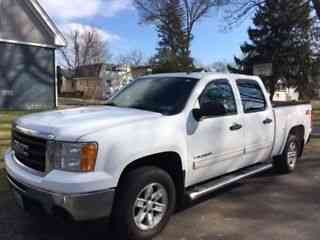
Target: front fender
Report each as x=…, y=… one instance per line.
x=120, y=160
x=121, y=146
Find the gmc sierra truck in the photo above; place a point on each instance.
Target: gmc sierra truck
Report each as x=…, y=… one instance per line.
x=160, y=141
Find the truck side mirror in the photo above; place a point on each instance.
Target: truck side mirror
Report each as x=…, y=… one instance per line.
x=210, y=109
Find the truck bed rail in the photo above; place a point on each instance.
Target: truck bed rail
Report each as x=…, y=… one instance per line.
x=277, y=104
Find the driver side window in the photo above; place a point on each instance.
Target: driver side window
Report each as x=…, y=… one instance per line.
x=219, y=93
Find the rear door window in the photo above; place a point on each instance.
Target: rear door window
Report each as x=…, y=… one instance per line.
x=252, y=97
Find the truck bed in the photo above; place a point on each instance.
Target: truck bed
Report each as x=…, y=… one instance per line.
x=288, y=115
x=278, y=104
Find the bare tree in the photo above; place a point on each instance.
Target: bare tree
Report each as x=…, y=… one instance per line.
x=218, y=66
x=238, y=10
x=84, y=47
x=132, y=58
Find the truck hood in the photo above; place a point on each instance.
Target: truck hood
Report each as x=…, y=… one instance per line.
x=70, y=125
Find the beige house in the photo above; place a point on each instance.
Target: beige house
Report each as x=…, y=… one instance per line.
x=86, y=81
x=90, y=81
x=99, y=81
x=141, y=71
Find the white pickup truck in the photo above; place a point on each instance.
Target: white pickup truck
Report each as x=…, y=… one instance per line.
x=161, y=140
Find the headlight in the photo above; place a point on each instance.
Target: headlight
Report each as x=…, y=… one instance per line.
x=74, y=157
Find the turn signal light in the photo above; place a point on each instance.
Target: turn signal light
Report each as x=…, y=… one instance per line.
x=88, y=157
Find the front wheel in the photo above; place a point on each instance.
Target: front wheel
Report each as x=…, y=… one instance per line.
x=144, y=203
x=286, y=163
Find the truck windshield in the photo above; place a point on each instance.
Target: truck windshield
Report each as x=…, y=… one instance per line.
x=165, y=95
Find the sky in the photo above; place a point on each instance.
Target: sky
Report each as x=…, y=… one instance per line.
x=119, y=24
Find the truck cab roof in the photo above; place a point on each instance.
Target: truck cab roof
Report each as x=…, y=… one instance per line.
x=205, y=75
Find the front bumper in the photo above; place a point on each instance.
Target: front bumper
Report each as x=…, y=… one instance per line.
x=81, y=207
x=82, y=196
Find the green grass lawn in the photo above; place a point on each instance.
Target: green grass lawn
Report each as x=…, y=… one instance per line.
x=316, y=112
x=316, y=118
x=316, y=105
x=6, y=119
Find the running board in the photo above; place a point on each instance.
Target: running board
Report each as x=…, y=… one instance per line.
x=213, y=185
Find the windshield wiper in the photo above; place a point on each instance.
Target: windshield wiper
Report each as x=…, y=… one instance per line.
x=145, y=109
x=112, y=104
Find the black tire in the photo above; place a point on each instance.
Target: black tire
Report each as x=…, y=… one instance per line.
x=123, y=220
x=284, y=164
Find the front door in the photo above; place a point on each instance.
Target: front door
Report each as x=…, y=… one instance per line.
x=216, y=143
x=258, y=121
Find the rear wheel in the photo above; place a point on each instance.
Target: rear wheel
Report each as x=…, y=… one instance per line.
x=286, y=163
x=144, y=203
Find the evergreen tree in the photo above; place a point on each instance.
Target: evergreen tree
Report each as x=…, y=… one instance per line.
x=175, y=21
x=282, y=36
x=173, y=52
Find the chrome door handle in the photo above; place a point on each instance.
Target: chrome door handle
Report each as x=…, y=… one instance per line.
x=267, y=121
x=235, y=127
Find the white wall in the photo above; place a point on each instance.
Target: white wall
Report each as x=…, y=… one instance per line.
x=118, y=79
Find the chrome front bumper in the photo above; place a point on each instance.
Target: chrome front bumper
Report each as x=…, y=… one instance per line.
x=81, y=207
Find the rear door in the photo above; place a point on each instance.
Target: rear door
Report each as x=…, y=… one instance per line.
x=258, y=118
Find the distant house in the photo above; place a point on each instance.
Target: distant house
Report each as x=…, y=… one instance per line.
x=99, y=81
x=117, y=77
x=141, y=71
x=286, y=94
x=28, y=39
x=90, y=81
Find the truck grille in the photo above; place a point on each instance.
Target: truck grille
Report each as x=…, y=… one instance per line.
x=29, y=150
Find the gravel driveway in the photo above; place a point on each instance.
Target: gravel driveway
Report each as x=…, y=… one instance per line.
x=268, y=206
